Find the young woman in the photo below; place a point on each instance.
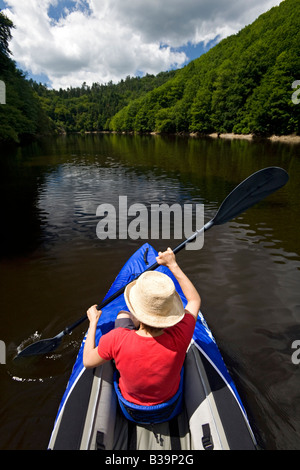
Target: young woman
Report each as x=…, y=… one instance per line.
x=149, y=342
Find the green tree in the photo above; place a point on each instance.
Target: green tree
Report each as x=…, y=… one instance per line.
x=5, y=34
x=22, y=116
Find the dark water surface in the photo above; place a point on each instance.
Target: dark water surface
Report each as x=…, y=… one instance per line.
x=53, y=266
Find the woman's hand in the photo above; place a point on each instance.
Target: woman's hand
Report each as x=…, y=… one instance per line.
x=93, y=314
x=167, y=258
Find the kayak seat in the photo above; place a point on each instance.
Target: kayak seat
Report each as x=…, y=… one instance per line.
x=153, y=414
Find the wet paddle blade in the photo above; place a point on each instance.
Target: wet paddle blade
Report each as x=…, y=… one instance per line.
x=251, y=191
x=40, y=347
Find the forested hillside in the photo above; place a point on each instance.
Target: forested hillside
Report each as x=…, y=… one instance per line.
x=22, y=116
x=242, y=85
x=89, y=108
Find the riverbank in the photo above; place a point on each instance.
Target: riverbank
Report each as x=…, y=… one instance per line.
x=289, y=139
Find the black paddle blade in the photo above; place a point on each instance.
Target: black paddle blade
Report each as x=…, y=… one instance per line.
x=40, y=347
x=252, y=190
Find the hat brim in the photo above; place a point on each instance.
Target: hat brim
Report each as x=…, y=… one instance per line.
x=157, y=321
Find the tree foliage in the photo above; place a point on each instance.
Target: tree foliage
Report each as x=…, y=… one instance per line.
x=89, y=108
x=22, y=116
x=5, y=34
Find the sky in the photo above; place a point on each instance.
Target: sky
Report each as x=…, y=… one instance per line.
x=63, y=43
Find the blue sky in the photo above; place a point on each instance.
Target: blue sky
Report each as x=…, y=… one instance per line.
x=58, y=10
x=65, y=42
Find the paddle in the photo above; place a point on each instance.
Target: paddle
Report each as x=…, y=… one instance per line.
x=252, y=190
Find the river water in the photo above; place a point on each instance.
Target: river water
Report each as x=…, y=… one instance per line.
x=53, y=266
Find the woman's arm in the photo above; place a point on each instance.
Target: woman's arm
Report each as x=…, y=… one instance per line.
x=168, y=259
x=91, y=357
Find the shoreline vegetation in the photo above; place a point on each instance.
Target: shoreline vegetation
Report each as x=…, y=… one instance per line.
x=289, y=139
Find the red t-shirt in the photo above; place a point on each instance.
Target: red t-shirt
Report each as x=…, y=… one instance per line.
x=149, y=367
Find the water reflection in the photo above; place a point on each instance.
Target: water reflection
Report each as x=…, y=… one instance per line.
x=53, y=266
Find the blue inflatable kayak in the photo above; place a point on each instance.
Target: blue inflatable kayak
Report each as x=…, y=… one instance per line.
x=213, y=415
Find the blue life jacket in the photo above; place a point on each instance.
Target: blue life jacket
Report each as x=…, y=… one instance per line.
x=154, y=413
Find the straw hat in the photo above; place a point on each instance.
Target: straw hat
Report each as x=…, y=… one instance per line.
x=153, y=300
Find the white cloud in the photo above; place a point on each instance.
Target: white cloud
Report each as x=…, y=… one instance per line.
x=115, y=38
